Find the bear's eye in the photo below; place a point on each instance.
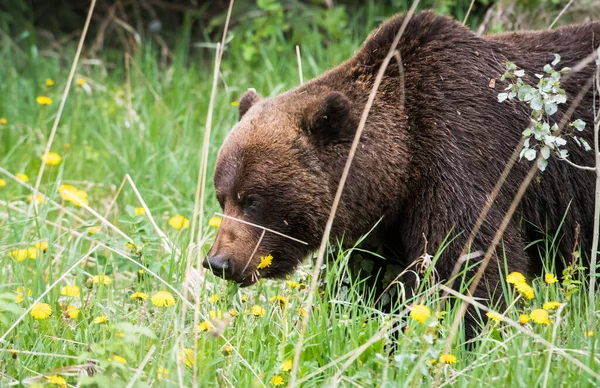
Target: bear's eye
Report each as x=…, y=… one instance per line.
x=250, y=201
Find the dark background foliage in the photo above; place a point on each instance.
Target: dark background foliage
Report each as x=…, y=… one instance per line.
x=271, y=24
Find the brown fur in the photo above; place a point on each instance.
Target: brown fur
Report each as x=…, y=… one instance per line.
x=424, y=168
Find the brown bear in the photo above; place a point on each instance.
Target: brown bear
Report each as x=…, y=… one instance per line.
x=434, y=145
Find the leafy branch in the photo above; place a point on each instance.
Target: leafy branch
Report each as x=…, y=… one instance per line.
x=543, y=99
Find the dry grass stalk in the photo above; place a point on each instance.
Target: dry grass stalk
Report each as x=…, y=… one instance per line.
x=63, y=100
x=340, y=188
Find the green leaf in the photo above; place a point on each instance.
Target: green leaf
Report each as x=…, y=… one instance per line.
x=545, y=151
x=536, y=103
x=579, y=124
x=530, y=154
x=551, y=108
x=585, y=144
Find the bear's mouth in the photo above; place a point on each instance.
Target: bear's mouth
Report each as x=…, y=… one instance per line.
x=242, y=281
x=248, y=281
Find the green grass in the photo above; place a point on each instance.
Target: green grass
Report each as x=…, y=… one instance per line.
x=158, y=144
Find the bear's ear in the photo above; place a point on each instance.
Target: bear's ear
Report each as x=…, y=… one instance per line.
x=329, y=119
x=247, y=100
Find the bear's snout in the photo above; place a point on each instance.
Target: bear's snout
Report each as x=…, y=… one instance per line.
x=219, y=264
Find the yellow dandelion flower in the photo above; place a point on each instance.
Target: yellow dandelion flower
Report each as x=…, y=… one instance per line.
x=448, y=358
x=3, y=121
x=49, y=82
x=265, y=261
x=286, y=366
x=2, y=182
x=162, y=373
x=214, y=298
x=523, y=319
x=280, y=300
x=235, y=103
x=101, y=279
x=277, y=381
x=589, y=333
x=550, y=278
x=227, y=349
x=551, y=305
x=493, y=316
x=244, y=298
x=70, y=290
x=51, y=159
x=139, y=211
x=539, y=316
x=204, y=326
x=41, y=310
x=420, y=313
x=80, y=81
x=118, y=359
x=56, y=380
x=187, y=356
x=301, y=311
x=258, y=311
x=179, y=222
x=94, y=229
x=32, y=253
x=42, y=245
x=233, y=312
x=515, y=278
x=215, y=222
x=63, y=188
x=43, y=100
x=22, y=177
x=19, y=254
x=163, y=299
x=20, y=293
x=214, y=314
x=138, y=296
x=292, y=284
x=73, y=195
x=525, y=290
x=120, y=335
x=38, y=198
x=73, y=312
x=101, y=319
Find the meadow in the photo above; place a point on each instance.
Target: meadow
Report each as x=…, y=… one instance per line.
x=98, y=282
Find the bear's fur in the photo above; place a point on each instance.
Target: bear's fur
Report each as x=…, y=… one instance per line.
x=428, y=159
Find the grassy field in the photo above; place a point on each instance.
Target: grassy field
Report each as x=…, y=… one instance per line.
x=116, y=314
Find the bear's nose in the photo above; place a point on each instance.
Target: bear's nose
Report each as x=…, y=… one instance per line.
x=219, y=264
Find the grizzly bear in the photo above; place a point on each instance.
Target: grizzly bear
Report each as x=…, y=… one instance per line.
x=435, y=143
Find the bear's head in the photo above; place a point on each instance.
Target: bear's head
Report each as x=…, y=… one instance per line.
x=277, y=173
x=273, y=184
